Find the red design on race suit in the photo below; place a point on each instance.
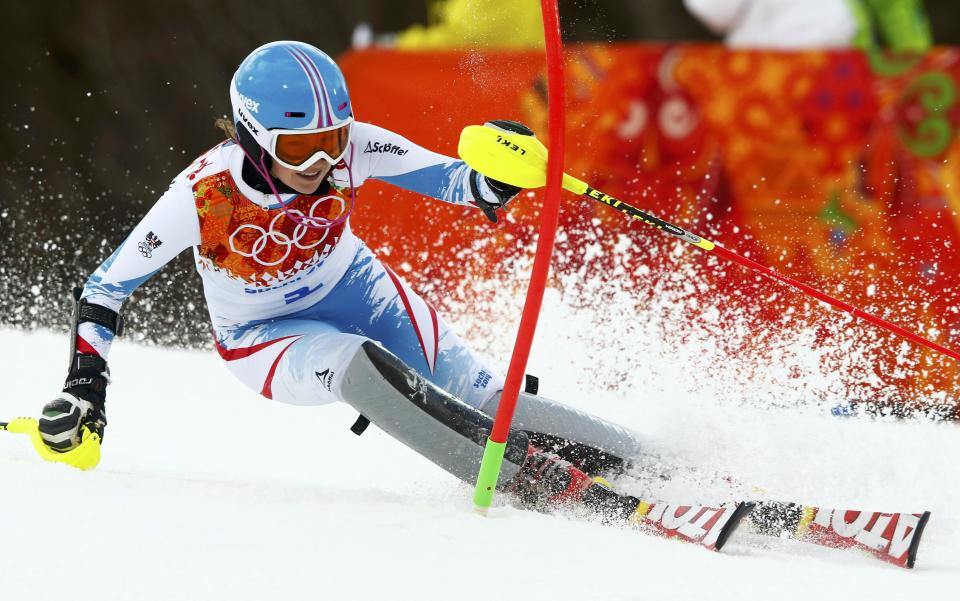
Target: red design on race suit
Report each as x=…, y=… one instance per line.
x=85, y=347
x=262, y=247
x=203, y=164
x=247, y=351
x=427, y=328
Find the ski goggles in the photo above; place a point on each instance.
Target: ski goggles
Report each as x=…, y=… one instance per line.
x=298, y=149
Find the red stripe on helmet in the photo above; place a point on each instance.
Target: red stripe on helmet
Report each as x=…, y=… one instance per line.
x=316, y=91
x=320, y=83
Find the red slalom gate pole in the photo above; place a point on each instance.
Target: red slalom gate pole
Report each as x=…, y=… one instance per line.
x=497, y=442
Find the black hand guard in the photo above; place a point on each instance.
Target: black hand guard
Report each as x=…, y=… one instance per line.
x=504, y=194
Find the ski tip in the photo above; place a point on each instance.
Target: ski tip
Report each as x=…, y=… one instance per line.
x=740, y=511
x=915, y=543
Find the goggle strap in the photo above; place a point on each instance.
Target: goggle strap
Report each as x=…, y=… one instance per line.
x=309, y=222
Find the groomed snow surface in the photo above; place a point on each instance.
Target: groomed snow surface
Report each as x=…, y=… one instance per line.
x=207, y=491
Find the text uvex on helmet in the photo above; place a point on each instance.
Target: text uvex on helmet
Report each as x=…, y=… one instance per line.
x=290, y=99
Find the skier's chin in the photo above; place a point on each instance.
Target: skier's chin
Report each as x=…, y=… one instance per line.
x=306, y=181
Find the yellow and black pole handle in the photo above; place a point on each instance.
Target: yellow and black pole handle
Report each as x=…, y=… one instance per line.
x=521, y=161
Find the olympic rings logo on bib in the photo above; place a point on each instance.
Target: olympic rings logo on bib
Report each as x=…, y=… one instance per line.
x=301, y=236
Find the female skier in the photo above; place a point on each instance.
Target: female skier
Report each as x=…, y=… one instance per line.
x=302, y=311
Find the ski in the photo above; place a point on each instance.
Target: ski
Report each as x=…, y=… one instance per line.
x=890, y=537
x=709, y=527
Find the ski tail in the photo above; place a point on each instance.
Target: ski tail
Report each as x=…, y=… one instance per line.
x=709, y=527
x=741, y=510
x=890, y=537
x=915, y=542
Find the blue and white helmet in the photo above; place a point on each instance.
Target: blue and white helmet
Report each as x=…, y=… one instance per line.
x=290, y=88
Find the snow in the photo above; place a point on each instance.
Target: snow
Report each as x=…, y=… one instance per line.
x=207, y=491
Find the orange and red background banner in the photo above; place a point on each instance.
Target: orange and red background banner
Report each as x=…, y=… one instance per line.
x=837, y=169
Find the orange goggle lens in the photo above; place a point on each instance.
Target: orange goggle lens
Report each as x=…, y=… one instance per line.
x=295, y=149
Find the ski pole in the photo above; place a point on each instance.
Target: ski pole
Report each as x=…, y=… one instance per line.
x=521, y=161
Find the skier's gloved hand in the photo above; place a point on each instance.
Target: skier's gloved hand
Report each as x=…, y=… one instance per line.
x=82, y=403
x=490, y=194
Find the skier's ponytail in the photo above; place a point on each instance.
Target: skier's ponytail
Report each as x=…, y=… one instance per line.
x=227, y=127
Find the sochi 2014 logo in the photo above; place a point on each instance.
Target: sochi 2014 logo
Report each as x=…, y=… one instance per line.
x=260, y=244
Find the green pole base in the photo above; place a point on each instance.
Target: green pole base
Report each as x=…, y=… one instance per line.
x=489, y=474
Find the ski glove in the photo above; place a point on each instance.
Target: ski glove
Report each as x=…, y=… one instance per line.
x=82, y=403
x=490, y=194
